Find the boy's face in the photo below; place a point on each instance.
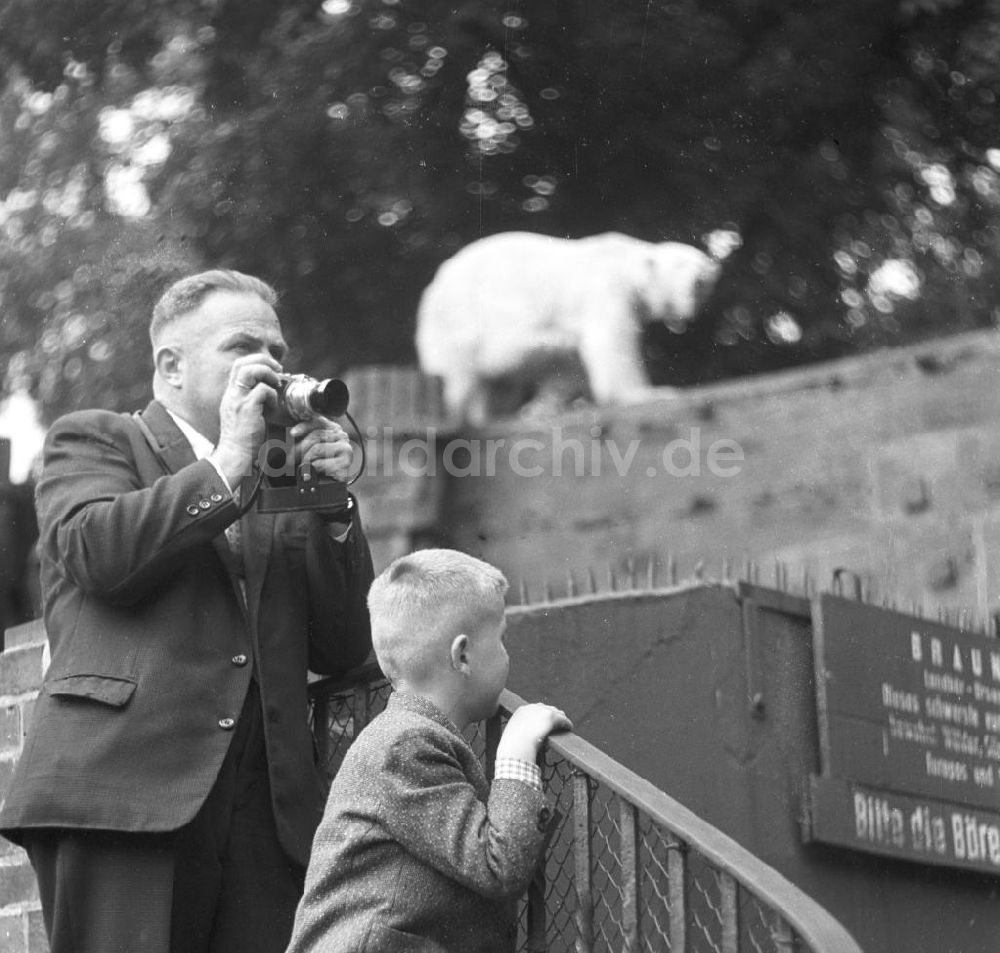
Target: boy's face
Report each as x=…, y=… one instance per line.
x=489, y=664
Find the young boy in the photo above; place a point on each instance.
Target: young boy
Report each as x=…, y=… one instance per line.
x=416, y=852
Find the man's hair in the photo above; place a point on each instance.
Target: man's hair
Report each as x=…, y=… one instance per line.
x=422, y=601
x=184, y=296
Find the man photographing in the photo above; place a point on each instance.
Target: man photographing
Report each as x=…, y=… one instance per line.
x=168, y=793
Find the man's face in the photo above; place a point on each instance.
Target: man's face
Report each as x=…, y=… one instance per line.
x=225, y=326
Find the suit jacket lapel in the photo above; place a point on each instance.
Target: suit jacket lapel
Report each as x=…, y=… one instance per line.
x=173, y=447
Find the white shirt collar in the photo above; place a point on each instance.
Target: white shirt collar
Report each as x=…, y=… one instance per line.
x=200, y=444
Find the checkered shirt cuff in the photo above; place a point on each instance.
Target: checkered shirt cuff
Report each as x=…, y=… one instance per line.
x=513, y=769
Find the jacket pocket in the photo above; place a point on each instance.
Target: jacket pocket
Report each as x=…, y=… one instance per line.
x=105, y=689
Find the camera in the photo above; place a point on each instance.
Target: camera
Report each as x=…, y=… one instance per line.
x=285, y=486
x=301, y=397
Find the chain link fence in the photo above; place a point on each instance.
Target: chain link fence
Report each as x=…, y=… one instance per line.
x=619, y=875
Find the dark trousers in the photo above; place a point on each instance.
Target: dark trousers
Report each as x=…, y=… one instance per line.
x=221, y=884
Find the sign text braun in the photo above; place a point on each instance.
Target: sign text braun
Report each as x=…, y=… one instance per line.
x=909, y=715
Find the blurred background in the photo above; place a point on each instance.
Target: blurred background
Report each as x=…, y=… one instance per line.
x=843, y=155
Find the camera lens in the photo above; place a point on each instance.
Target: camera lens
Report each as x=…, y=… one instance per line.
x=330, y=398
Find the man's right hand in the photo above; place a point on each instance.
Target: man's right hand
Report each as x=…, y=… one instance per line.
x=251, y=390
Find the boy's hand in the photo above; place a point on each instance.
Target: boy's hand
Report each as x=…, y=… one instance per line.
x=528, y=727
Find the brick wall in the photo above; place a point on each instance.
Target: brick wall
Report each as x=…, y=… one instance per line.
x=21, y=928
x=393, y=406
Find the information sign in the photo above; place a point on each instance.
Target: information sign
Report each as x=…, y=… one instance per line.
x=909, y=717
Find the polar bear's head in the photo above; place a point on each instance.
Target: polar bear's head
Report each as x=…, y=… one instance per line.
x=674, y=283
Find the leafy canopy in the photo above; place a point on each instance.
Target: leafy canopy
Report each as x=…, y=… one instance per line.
x=845, y=152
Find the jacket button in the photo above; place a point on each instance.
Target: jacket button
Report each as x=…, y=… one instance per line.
x=227, y=723
x=204, y=504
x=240, y=659
x=193, y=510
x=216, y=497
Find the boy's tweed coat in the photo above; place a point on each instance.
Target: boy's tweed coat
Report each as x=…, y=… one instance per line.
x=415, y=852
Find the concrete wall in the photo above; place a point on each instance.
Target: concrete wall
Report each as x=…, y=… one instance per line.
x=708, y=692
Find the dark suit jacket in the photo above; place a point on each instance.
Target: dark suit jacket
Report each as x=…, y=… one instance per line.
x=416, y=853
x=153, y=648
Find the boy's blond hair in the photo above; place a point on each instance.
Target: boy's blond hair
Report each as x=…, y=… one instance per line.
x=422, y=601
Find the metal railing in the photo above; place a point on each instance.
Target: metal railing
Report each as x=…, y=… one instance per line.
x=628, y=869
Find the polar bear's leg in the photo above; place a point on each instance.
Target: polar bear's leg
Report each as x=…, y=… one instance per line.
x=465, y=397
x=612, y=357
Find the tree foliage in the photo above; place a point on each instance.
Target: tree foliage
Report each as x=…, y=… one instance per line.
x=343, y=149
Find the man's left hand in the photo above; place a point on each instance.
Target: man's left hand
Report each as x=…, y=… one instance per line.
x=325, y=445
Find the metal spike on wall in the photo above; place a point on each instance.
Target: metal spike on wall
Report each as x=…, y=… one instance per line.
x=646, y=574
x=671, y=569
x=781, y=575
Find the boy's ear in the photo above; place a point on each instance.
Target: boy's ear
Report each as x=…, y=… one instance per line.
x=460, y=654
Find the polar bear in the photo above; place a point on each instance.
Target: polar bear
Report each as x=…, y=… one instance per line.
x=519, y=304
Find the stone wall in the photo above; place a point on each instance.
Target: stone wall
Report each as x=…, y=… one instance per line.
x=886, y=465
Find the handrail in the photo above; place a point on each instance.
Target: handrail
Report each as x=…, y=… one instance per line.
x=648, y=826
x=811, y=921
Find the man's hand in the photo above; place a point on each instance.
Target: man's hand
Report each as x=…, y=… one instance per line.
x=325, y=446
x=251, y=390
x=528, y=727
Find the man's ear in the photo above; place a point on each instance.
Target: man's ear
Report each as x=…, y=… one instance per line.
x=460, y=654
x=168, y=361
